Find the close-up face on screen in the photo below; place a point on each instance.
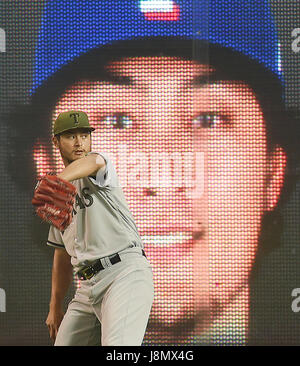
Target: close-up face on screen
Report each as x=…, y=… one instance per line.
x=198, y=177
x=196, y=147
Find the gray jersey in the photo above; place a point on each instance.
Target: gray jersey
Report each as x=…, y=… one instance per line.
x=102, y=223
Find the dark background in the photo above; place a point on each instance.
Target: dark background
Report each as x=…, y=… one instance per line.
x=25, y=261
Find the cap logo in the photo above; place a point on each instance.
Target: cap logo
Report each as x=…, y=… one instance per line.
x=160, y=10
x=76, y=116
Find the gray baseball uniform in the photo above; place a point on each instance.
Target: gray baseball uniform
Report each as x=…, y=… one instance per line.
x=117, y=299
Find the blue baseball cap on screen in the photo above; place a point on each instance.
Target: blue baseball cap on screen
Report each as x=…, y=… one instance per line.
x=70, y=28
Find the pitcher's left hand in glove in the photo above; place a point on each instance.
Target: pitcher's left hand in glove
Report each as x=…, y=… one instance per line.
x=53, y=199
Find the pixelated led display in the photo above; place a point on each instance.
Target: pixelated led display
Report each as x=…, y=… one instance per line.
x=193, y=164
x=192, y=151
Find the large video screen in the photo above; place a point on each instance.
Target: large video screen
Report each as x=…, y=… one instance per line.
x=197, y=105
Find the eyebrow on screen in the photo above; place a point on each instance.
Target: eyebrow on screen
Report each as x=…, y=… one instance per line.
x=209, y=78
x=115, y=78
x=199, y=80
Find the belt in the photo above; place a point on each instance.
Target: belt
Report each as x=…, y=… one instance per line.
x=88, y=272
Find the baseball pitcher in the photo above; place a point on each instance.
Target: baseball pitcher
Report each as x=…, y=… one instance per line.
x=94, y=233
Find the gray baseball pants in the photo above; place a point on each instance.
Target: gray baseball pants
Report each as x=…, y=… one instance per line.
x=112, y=308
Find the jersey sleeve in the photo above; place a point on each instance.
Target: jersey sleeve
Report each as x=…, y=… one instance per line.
x=106, y=176
x=55, y=238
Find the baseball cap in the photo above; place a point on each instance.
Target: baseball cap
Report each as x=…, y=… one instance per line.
x=70, y=28
x=71, y=120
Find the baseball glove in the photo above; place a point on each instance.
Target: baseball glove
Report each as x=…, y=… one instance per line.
x=53, y=199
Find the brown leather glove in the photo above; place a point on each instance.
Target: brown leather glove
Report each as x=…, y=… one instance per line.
x=53, y=199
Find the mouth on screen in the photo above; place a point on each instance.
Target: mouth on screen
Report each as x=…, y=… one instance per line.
x=173, y=239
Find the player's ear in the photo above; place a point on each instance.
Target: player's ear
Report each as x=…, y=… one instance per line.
x=55, y=141
x=90, y=141
x=276, y=170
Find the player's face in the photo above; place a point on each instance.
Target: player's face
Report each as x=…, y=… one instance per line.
x=73, y=144
x=192, y=159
